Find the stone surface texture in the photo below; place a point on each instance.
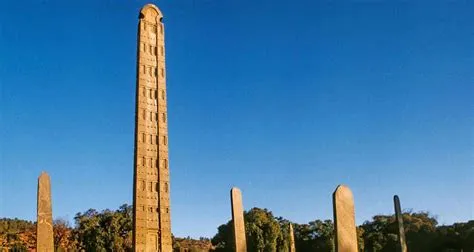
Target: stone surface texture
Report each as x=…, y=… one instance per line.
x=292, y=239
x=238, y=220
x=44, y=224
x=401, y=246
x=151, y=204
x=344, y=220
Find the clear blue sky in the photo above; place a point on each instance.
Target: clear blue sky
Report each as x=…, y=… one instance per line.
x=284, y=99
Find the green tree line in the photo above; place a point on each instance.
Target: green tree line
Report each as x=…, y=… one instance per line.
x=111, y=230
x=266, y=233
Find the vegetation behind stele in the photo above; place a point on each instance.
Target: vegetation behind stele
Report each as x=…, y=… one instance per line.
x=110, y=230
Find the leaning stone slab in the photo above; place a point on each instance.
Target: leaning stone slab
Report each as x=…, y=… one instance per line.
x=44, y=224
x=401, y=246
x=238, y=220
x=344, y=220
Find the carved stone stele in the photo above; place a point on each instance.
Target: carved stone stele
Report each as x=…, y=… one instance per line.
x=44, y=224
x=238, y=220
x=151, y=197
x=344, y=220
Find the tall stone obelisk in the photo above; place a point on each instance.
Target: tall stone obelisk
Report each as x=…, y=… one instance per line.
x=151, y=201
x=344, y=220
x=44, y=224
x=401, y=246
x=292, y=239
x=238, y=220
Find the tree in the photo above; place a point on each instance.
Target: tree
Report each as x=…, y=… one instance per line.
x=63, y=237
x=262, y=232
x=105, y=231
x=380, y=234
x=317, y=235
x=17, y=235
x=223, y=241
x=283, y=241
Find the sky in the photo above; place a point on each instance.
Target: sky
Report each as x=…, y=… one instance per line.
x=283, y=99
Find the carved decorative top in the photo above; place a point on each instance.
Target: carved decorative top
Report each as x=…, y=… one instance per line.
x=151, y=13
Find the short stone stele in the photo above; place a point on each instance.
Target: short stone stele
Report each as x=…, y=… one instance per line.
x=238, y=220
x=44, y=224
x=401, y=246
x=292, y=239
x=344, y=220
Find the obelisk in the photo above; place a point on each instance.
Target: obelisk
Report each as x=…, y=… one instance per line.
x=151, y=201
x=292, y=239
x=344, y=220
x=44, y=224
x=238, y=220
x=401, y=246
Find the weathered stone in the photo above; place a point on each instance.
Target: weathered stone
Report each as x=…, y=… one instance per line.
x=238, y=220
x=44, y=224
x=401, y=246
x=151, y=205
x=292, y=239
x=344, y=220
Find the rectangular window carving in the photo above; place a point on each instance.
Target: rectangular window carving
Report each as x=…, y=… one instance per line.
x=165, y=163
x=144, y=161
x=151, y=187
x=164, y=117
x=143, y=114
x=143, y=138
x=162, y=72
x=165, y=140
x=163, y=96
